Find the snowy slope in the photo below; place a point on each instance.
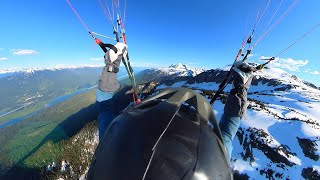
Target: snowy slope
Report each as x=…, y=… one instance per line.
x=280, y=136
x=170, y=73
x=181, y=70
x=278, y=139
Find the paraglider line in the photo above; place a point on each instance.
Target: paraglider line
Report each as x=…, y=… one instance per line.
x=299, y=39
x=75, y=12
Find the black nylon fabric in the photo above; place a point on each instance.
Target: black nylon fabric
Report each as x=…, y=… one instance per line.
x=176, y=153
x=188, y=147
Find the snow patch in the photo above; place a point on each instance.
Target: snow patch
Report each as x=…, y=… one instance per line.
x=181, y=70
x=316, y=168
x=242, y=166
x=53, y=68
x=175, y=85
x=310, y=130
x=64, y=165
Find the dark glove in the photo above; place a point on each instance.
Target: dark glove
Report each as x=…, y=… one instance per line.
x=244, y=67
x=108, y=79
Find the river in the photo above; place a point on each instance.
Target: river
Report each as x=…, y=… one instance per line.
x=50, y=104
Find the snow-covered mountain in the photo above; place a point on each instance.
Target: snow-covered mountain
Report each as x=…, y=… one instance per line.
x=27, y=86
x=21, y=87
x=278, y=139
x=181, y=70
x=280, y=136
x=174, y=71
x=52, y=68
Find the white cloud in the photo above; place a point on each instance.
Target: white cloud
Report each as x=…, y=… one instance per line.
x=3, y=58
x=312, y=72
x=287, y=63
x=97, y=59
x=315, y=72
x=251, y=55
x=22, y=52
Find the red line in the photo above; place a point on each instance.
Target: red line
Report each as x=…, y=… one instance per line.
x=257, y=16
x=275, y=13
x=84, y=24
x=264, y=11
x=112, y=9
x=124, y=11
x=104, y=10
x=109, y=12
x=276, y=23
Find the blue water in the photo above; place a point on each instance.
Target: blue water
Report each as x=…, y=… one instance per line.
x=16, y=120
x=52, y=103
x=57, y=100
x=61, y=99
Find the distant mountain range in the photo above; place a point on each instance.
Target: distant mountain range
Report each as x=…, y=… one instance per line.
x=23, y=86
x=160, y=74
x=15, y=71
x=278, y=139
x=280, y=136
x=29, y=86
x=18, y=88
x=273, y=76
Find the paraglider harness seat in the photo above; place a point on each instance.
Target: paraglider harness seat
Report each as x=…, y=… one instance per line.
x=172, y=135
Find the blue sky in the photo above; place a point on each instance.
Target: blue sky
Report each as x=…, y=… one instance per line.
x=205, y=33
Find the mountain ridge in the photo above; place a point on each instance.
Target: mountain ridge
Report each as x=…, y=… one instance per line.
x=280, y=136
x=53, y=68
